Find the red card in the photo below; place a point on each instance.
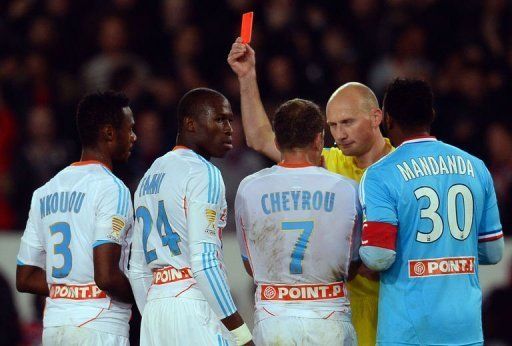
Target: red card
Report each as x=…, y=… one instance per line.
x=246, y=27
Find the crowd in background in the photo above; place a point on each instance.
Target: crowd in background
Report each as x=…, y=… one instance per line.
x=54, y=51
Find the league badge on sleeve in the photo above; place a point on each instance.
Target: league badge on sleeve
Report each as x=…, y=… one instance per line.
x=117, y=226
x=211, y=218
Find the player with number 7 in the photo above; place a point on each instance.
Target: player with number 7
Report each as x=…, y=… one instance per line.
x=298, y=226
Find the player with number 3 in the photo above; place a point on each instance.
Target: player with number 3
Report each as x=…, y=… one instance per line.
x=75, y=246
x=431, y=218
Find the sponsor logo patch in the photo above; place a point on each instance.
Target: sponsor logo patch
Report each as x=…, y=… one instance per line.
x=303, y=292
x=170, y=274
x=441, y=266
x=76, y=292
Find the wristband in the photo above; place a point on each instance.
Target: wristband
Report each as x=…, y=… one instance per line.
x=242, y=334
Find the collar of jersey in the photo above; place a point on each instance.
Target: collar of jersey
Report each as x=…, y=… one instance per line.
x=419, y=139
x=180, y=147
x=295, y=165
x=90, y=162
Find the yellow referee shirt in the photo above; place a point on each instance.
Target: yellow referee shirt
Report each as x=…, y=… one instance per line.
x=363, y=293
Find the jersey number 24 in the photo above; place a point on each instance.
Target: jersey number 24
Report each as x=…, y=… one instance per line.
x=167, y=235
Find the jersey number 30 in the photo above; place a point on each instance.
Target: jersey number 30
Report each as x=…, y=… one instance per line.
x=432, y=212
x=167, y=235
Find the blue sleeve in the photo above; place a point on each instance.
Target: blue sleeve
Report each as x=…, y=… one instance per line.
x=490, y=226
x=491, y=252
x=377, y=258
x=376, y=199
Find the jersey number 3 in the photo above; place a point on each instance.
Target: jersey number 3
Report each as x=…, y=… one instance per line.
x=62, y=249
x=167, y=235
x=456, y=193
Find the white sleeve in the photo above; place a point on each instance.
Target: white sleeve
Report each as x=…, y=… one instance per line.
x=139, y=273
x=206, y=198
x=32, y=251
x=113, y=216
x=240, y=223
x=356, y=236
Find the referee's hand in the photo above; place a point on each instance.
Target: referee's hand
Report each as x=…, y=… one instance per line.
x=242, y=59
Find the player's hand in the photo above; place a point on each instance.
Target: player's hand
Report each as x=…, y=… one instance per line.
x=242, y=59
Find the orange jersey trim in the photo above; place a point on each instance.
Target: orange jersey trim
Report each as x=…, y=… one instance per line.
x=294, y=165
x=90, y=162
x=98, y=315
x=186, y=289
x=180, y=147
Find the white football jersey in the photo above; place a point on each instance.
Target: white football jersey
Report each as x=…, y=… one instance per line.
x=82, y=207
x=298, y=227
x=180, y=211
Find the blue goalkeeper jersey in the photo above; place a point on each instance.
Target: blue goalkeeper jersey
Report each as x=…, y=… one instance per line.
x=442, y=202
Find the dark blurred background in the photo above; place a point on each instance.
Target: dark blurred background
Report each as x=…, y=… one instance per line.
x=52, y=52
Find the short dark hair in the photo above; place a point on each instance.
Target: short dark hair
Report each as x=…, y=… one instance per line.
x=410, y=103
x=297, y=122
x=195, y=103
x=96, y=110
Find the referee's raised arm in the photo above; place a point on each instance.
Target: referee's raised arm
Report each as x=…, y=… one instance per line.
x=258, y=130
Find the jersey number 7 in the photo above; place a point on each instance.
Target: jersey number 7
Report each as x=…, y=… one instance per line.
x=167, y=235
x=302, y=243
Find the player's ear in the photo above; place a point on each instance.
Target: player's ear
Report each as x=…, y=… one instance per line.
x=107, y=132
x=319, y=141
x=189, y=124
x=277, y=144
x=376, y=117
